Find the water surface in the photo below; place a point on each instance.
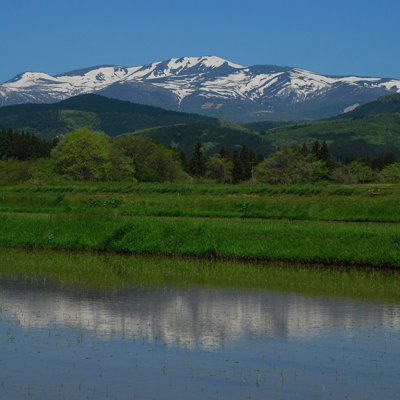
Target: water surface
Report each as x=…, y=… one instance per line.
x=169, y=342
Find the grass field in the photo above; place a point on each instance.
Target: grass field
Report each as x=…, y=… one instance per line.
x=343, y=225
x=297, y=202
x=113, y=273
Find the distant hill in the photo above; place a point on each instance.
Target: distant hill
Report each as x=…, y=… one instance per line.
x=384, y=105
x=369, y=136
x=262, y=126
x=212, y=136
x=116, y=117
x=92, y=111
x=372, y=130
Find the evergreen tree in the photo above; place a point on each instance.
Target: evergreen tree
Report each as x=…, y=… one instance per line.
x=197, y=165
x=315, y=150
x=23, y=146
x=223, y=153
x=324, y=154
x=304, y=150
x=259, y=158
x=237, y=168
x=183, y=160
x=248, y=161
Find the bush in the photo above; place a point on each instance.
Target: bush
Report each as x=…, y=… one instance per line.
x=13, y=171
x=219, y=169
x=153, y=162
x=42, y=171
x=390, y=174
x=288, y=167
x=85, y=155
x=355, y=172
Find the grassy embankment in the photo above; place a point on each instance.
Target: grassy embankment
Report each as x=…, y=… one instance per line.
x=112, y=273
x=297, y=202
x=298, y=224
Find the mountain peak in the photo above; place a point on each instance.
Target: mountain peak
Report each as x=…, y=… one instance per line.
x=83, y=71
x=206, y=61
x=207, y=84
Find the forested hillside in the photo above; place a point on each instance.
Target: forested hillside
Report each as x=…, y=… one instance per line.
x=384, y=105
x=23, y=146
x=348, y=138
x=90, y=111
x=371, y=131
x=212, y=136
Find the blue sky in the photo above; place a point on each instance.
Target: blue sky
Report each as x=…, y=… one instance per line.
x=328, y=36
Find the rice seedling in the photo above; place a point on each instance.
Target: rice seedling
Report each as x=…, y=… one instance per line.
x=298, y=202
x=111, y=272
x=315, y=242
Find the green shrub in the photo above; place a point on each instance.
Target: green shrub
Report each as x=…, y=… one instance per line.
x=290, y=167
x=85, y=155
x=152, y=162
x=390, y=174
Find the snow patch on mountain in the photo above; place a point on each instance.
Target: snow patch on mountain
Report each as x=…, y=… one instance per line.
x=351, y=108
x=209, y=77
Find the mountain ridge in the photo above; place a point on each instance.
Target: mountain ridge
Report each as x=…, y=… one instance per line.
x=90, y=111
x=383, y=105
x=375, y=133
x=208, y=85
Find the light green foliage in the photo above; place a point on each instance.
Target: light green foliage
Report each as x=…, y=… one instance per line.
x=122, y=168
x=390, y=173
x=42, y=171
x=74, y=119
x=289, y=167
x=219, y=169
x=355, y=172
x=89, y=156
x=152, y=162
x=83, y=155
x=14, y=171
x=38, y=171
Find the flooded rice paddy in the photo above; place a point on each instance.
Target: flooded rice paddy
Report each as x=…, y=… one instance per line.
x=193, y=342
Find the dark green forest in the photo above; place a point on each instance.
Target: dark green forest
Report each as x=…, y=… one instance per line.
x=369, y=132
x=89, y=111
x=384, y=105
x=23, y=146
x=85, y=155
x=91, y=137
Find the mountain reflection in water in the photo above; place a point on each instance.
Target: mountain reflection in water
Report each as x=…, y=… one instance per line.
x=198, y=318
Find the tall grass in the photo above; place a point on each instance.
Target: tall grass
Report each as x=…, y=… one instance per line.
x=103, y=272
x=294, y=241
x=303, y=202
x=256, y=222
x=198, y=188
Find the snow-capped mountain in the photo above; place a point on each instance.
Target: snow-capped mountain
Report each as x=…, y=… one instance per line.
x=208, y=85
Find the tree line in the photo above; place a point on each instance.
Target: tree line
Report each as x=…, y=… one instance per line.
x=306, y=164
x=85, y=155
x=23, y=146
